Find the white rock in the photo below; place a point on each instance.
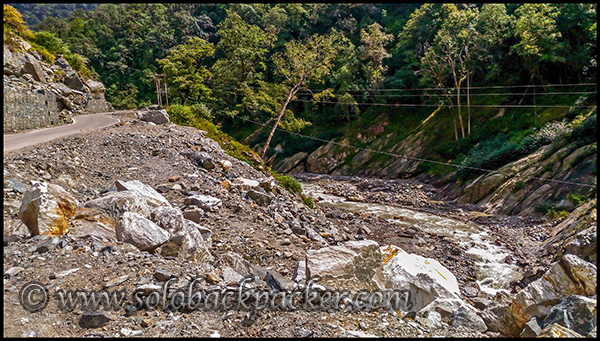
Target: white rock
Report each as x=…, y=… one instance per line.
x=425, y=278
x=140, y=232
x=153, y=198
x=355, y=265
x=116, y=203
x=205, y=202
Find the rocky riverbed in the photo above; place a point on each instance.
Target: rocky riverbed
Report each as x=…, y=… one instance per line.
x=144, y=203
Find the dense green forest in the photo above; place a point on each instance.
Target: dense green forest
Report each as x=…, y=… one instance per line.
x=359, y=70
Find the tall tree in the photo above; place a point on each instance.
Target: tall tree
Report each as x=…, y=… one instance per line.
x=372, y=48
x=238, y=75
x=184, y=69
x=301, y=62
x=539, y=38
x=451, y=55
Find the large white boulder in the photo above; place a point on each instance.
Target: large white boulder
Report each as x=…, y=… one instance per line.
x=144, y=234
x=355, y=265
x=153, y=198
x=46, y=209
x=425, y=278
x=116, y=203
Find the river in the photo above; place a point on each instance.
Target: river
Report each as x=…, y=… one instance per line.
x=493, y=274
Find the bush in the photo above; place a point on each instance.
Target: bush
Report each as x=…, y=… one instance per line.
x=308, y=201
x=288, y=182
x=50, y=42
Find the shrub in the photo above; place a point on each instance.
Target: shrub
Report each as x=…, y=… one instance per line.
x=577, y=199
x=308, y=201
x=50, y=42
x=288, y=182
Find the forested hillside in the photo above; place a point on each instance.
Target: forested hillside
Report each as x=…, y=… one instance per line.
x=477, y=79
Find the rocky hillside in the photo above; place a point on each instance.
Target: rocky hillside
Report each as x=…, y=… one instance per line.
x=37, y=94
x=138, y=204
x=517, y=187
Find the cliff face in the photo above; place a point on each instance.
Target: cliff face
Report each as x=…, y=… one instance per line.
x=38, y=95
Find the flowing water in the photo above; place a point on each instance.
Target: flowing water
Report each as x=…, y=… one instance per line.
x=492, y=273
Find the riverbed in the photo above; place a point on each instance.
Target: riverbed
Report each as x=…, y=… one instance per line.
x=493, y=273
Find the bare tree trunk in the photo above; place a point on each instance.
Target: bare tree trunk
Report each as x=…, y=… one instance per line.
x=257, y=131
x=455, y=130
x=468, y=105
x=462, y=127
x=287, y=101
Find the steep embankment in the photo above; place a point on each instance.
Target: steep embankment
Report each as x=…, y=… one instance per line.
x=541, y=171
x=37, y=94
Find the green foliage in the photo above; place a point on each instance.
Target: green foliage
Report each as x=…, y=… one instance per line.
x=551, y=210
x=287, y=182
x=578, y=199
x=307, y=201
x=186, y=73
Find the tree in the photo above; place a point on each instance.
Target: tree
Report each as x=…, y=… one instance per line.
x=451, y=55
x=535, y=28
x=373, y=42
x=238, y=75
x=184, y=69
x=302, y=62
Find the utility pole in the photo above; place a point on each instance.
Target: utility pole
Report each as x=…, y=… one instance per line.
x=160, y=91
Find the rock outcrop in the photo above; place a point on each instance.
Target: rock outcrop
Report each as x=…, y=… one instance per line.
x=37, y=94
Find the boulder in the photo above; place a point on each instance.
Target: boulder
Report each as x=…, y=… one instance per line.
x=140, y=232
x=92, y=224
x=153, y=198
x=583, y=244
x=189, y=239
x=169, y=218
x=116, y=203
x=532, y=328
x=93, y=319
x=425, y=278
x=556, y=330
x=15, y=185
x=575, y=312
x=198, y=239
x=300, y=271
x=73, y=81
x=46, y=209
x=95, y=86
x=498, y=317
x=155, y=116
x=262, y=199
x=355, y=265
x=33, y=67
x=569, y=276
x=202, y=159
x=455, y=311
x=205, y=202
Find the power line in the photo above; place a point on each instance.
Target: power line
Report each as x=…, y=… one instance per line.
x=411, y=157
x=454, y=95
x=453, y=105
x=473, y=87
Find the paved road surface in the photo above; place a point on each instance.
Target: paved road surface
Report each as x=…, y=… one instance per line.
x=81, y=123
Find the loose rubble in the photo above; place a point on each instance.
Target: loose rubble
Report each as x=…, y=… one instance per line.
x=158, y=203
